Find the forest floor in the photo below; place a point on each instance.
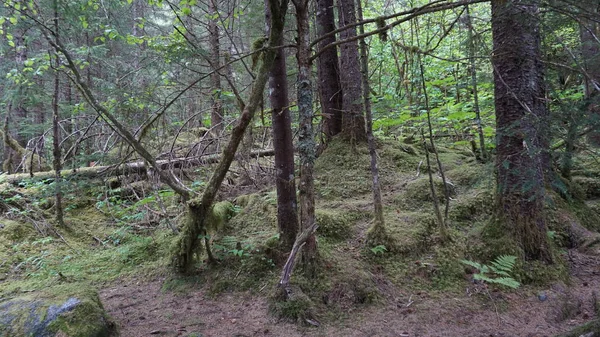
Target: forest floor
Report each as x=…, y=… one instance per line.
x=143, y=308
x=116, y=242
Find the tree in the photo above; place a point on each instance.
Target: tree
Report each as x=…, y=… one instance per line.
x=306, y=138
x=353, y=120
x=287, y=213
x=521, y=117
x=590, y=51
x=216, y=116
x=199, y=211
x=330, y=91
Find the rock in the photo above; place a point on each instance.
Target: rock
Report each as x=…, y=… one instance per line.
x=59, y=311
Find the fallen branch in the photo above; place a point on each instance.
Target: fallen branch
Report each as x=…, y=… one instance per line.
x=289, y=264
x=138, y=167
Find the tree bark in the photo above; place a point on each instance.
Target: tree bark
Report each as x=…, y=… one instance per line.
x=56, y=152
x=287, y=208
x=330, y=91
x=590, y=51
x=520, y=122
x=216, y=116
x=376, y=235
x=353, y=120
x=482, y=152
x=306, y=139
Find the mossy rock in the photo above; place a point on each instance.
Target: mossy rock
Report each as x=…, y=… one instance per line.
x=590, y=186
x=57, y=311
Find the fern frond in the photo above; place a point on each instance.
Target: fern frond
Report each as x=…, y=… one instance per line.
x=504, y=262
x=472, y=264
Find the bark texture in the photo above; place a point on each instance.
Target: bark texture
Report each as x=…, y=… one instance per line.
x=306, y=139
x=216, y=116
x=330, y=91
x=287, y=207
x=353, y=120
x=520, y=121
x=590, y=51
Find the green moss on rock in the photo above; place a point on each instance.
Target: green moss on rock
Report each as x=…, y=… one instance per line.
x=67, y=310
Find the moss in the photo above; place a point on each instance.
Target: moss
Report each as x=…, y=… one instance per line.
x=297, y=307
x=590, y=186
x=72, y=310
x=221, y=212
x=335, y=224
x=418, y=193
x=471, y=207
x=472, y=175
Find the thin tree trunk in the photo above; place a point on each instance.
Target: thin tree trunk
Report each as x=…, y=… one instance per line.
x=483, y=154
x=520, y=122
x=330, y=91
x=306, y=139
x=287, y=208
x=376, y=234
x=216, y=116
x=353, y=120
x=58, y=207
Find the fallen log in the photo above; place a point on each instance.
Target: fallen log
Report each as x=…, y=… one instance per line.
x=138, y=167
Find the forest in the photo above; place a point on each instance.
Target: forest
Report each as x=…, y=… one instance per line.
x=300, y=168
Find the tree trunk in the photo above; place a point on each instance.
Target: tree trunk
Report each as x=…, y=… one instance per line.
x=306, y=138
x=183, y=258
x=353, y=120
x=56, y=131
x=482, y=152
x=330, y=91
x=590, y=51
x=376, y=235
x=216, y=116
x=287, y=213
x=520, y=122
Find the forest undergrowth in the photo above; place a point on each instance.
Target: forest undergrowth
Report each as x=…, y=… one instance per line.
x=119, y=236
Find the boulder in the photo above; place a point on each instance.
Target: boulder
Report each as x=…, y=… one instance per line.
x=62, y=311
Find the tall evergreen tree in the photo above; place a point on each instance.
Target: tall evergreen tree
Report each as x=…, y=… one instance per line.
x=521, y=116
x=353, y=117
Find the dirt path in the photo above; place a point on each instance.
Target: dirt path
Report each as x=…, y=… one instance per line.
x=143, y=309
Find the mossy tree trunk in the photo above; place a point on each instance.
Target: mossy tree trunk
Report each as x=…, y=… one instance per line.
x=306, y=138
x=590, y=49
x=187, y=242
x=520, y=122
x=287, y=205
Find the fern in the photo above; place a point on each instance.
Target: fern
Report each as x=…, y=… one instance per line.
x=501, y=267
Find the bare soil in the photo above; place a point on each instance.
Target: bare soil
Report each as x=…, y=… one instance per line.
x=142, y=308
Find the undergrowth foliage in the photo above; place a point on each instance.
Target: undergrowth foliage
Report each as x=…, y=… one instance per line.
x=500, y=270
